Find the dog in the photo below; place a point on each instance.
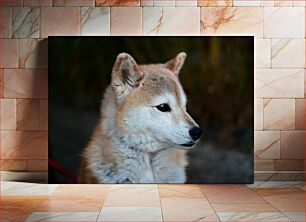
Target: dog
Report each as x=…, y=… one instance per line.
x=144, y=129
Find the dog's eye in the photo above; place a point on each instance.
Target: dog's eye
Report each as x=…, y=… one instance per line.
x=163, y=107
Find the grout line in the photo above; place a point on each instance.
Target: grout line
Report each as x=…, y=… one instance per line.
x=161, y=208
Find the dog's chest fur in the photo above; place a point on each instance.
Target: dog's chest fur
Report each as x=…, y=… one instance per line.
x=147, y=175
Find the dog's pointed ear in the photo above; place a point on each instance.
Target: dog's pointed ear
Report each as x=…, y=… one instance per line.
x=125, y=75
x=176, y=63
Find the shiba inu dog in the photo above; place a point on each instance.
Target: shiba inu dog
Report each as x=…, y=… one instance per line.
x=144, y=130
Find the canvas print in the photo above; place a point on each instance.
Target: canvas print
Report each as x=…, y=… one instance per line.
x=151, y=109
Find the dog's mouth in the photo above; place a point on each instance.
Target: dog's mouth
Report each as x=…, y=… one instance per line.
x=189, y=144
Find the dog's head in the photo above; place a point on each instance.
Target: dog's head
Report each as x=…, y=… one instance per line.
x=151, y=102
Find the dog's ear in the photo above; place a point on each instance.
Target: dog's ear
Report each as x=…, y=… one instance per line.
x=125, y=75
x=176, y=63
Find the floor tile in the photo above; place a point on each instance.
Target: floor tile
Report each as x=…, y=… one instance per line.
x=63, y=216
x=251, y=216
x=26, y=189
x=18, y=208
x=263, y=207
x=230, y=194
x=296, y=216
x=86, y=190
x=190, y=191
x=277, y=184
x=133, y=196
x=130, y=214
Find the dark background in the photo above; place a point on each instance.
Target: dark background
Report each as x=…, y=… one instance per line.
x=218, y=78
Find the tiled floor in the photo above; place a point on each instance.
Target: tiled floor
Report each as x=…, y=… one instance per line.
x=269, y=201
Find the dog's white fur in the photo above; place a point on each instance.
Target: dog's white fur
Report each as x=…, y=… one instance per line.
x=133, y=141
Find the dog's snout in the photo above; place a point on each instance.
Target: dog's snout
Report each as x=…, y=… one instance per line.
x=195, y=132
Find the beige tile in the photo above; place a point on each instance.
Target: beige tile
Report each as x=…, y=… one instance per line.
x=230, y=194
x=33, y=53
x=13, y=165
x=263, y=53
x=8, y=53
x=95, y=21
x=253, y=216
x=232, y=20
x=215, y=3
x=285, y=49
x=237, y=3
x=126, y=21
x=263, y=207
x=118, y=3
x=304, y=82
x=133, y=196
x=186, y=3
x=267, y=144
x=37, y=2
x=85, y=190
x=43, y=115
x=27, y=114
x=289, y=165
x=63, y=216
x=295, y=216
x=37, y=165
x=279, y=3
x=278, y=19
x=5, y=22
x=146, y=2
x=279, y=114
x=300, y=114
x=25, y=83
x=1, y=83
x=25, y=22
x=163, y=3
x=292, y=144
x=160, y=21
x=4, y=3
x=73, y=2
x=24, y=145
x=183, y=190
x=187, y=209
x=299, y=3
x=266, y=3
x=8, y=114
x=263, y=165
x=51, y=17
x=258, y=115
x=279, y=83
x=130, y=214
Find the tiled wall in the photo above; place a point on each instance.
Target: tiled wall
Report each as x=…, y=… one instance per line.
x=278, y=26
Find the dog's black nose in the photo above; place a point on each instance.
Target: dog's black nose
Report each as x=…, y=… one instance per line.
x=195, y=133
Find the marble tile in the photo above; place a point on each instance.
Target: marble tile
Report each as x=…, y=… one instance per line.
x=186, y=3
x=63, y=216
x=25, y=22
x=284, y=49
x=126, y=21
x=263, y=207
x=279, y=114
x=266, y=3
x=25, y=83
x=279, y=175
x=267, y=144
x=133, y=196
x=279, y=83
x=299, y=3
x=163, y=3
x=289, y=165
x=8, y=114
x=146, y=2
x=263, y=53
x=305, y=83
x=5, y=3
x=27, y=114
x=237, y=3
x=52, y=16
x=95, y=21
x=5, y=22
x=230, y=194
x=300, y=114
x=18, y=208
x=73, y=2
x=37, y=165
x=215, y=3
x=118, y=3
x=8, y=53
x=82, y=190
x=37, y=2
x=276, y=184
x=258, y=115
x=187, y=209
x=263, y=165
x=13, y=165
x=1, y=83
x=171, y=21
x=43, y=114
x=232, y=20
x=292, y=144
x=26, y=189
x=33, y=53
x=187, y=191
x=130, y=214
x=279, y=3
x=253, y=216
x=278, y=19
x=295, y=216
x=24, y=145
